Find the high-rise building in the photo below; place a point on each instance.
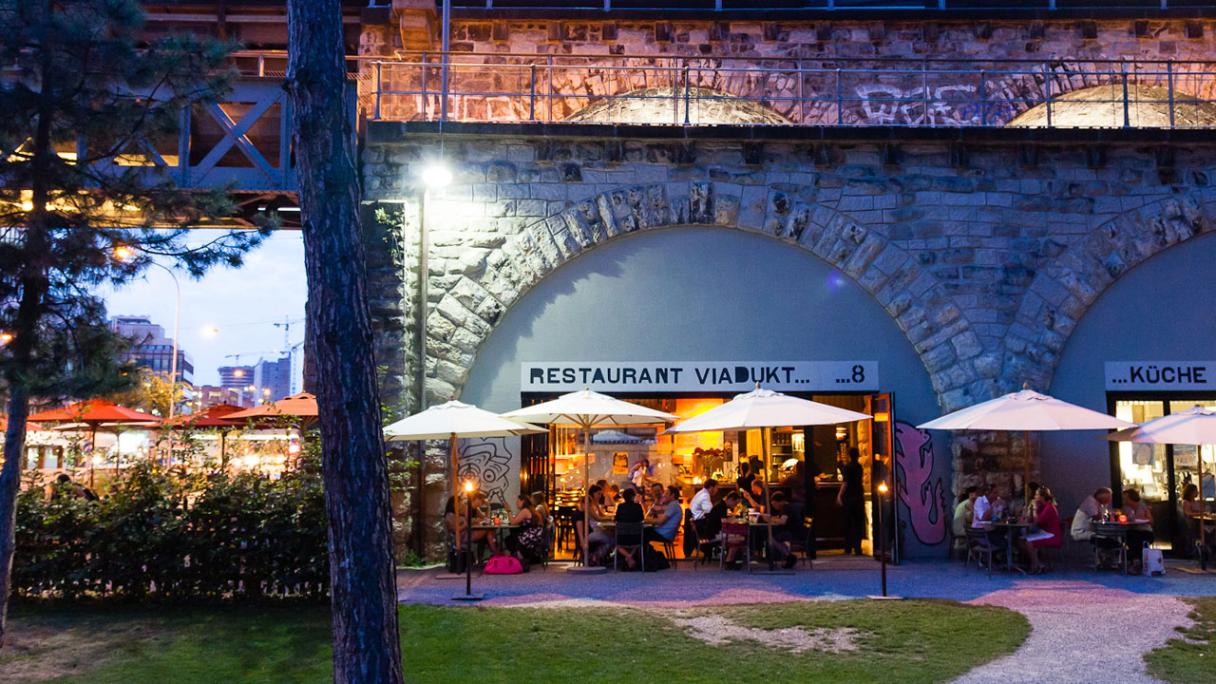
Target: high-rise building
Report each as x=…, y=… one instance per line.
x=272, y=378
x=151, y=349
x=239, y=380
x=212, y=395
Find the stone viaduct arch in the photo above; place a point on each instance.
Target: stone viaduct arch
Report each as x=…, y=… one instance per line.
x=1064, y=288
x=466, y=312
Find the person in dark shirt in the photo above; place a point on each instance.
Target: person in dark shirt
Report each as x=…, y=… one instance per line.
x=853, y=500
x=744, y=482
x=711, y=524
x=786, y=529
x=629, y=512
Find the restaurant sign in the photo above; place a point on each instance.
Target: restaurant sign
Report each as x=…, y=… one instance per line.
x=1160, y=375
x=700, y=376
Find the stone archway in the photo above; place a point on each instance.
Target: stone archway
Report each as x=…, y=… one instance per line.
x=943, y=338
x=1064, y=289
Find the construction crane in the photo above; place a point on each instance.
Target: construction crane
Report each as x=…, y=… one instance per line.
x=286, y=325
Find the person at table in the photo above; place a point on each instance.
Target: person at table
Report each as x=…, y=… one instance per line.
x=785, y=531
x=852, y=499
x=1091, y=510
x=456, y=524
x=725, y=508
x=665, y=517
x=703, y=502
x=1046, y=532
x=753, y=497
x=630, y=511
x=540, y=509
x=984, y=510
x=598, y=541
x=527, y=540
x=964, y=513
x=652, y=497
x=1193, y=511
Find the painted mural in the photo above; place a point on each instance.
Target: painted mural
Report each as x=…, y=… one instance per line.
x=923, y=495
x=490, y=462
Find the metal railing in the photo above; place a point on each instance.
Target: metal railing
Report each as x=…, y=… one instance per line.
x=669, y=6
x=649, y=89
x=700, y=91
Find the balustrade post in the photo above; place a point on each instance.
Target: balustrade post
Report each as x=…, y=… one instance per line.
x=1169, y=85
x=686, y=93
x=1047, y=91
x=426, y=104
x=839, y=100
x=532, y=92
x=1123, y=75
x=983, y=93
x=379, y=87
x=924, y=92
x=551, y=93
x=801, y=95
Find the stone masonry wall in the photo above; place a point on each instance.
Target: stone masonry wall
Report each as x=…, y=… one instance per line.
x=986, y=257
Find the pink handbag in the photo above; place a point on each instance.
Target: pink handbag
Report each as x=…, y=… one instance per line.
x=503, y=565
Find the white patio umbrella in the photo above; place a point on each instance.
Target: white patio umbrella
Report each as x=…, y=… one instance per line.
x=764, y=410
x=586, y=410
x=455, y=420
x=1195, y=426
x=1025, y=411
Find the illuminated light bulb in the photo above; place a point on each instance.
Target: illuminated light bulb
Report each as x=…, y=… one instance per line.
x=436, y=175
x=123, y=253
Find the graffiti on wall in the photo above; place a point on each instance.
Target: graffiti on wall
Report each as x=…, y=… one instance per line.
x=488, y=461
x=919, y=491
x=946, y=105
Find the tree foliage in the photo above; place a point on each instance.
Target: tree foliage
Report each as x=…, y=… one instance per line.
x=88, y=105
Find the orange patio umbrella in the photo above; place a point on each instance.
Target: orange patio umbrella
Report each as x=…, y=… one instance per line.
x=302, y=405
x=214, y=418
x=94, y=414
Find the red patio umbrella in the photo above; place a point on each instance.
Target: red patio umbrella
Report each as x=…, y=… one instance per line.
x=94, y=414
x=214, y=418
x=302, y=406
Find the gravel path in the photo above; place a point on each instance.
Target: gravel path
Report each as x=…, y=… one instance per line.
x=1071, y=626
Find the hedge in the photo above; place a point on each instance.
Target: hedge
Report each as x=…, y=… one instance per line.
x=168, y=534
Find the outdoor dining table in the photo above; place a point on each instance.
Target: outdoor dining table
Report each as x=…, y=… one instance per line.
x=1116, y=531
x=1012, y=528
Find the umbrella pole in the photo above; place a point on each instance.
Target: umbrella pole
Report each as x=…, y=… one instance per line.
x=92, y=453
x=587, y=493
x=765, y=436
x=1026, y=473
x=1203, y=509
x=455, y=469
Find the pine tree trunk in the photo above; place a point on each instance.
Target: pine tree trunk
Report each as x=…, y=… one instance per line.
x=10, y=481
x=339, y=340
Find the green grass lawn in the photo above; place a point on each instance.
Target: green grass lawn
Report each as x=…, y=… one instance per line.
x=1192, y=656
x=898, y=641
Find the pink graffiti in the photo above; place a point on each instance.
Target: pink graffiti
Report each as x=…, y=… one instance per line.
x=916, y=487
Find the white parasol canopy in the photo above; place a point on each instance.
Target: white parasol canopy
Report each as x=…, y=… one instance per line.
x=1025, y=411
x=586, y=409
x=455, y=420
x=762, y=408
x=1194, y=426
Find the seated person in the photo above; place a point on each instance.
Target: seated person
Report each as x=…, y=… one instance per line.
x=786, y=529
x=666, y=516
x=455, y=525
x=598, y=541
x=711, y=526
x=985, y=507
x=1141, y=519
x=1090, y=510
x=630, y=511
x=1047, y=531
x=964, y=513
x=527, y=541
x=1192, y=510
x=753, y=497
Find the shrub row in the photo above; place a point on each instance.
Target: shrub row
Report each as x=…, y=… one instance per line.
x=166, y=534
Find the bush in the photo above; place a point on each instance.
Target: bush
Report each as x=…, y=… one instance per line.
x=166, y=534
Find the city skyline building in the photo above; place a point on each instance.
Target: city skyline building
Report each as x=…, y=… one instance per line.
x=151, y=348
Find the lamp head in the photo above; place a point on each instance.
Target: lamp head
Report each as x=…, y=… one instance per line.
x=469, y=486
x=882, y=488
x=436, y=174
x=123, y=253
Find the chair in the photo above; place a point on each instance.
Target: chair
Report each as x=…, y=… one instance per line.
x=702, y=546
x=629, y=536
x=980, y=547
x=669, y=550
x=735, y=536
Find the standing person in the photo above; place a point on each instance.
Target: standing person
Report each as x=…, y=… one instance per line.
x=852, y=499
x=743, y=483
x=640, y=473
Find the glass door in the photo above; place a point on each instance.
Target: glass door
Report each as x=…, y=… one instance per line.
x=882, y=440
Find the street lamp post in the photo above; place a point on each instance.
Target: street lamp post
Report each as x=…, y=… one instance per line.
x=468, y=595
x=882, y=535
